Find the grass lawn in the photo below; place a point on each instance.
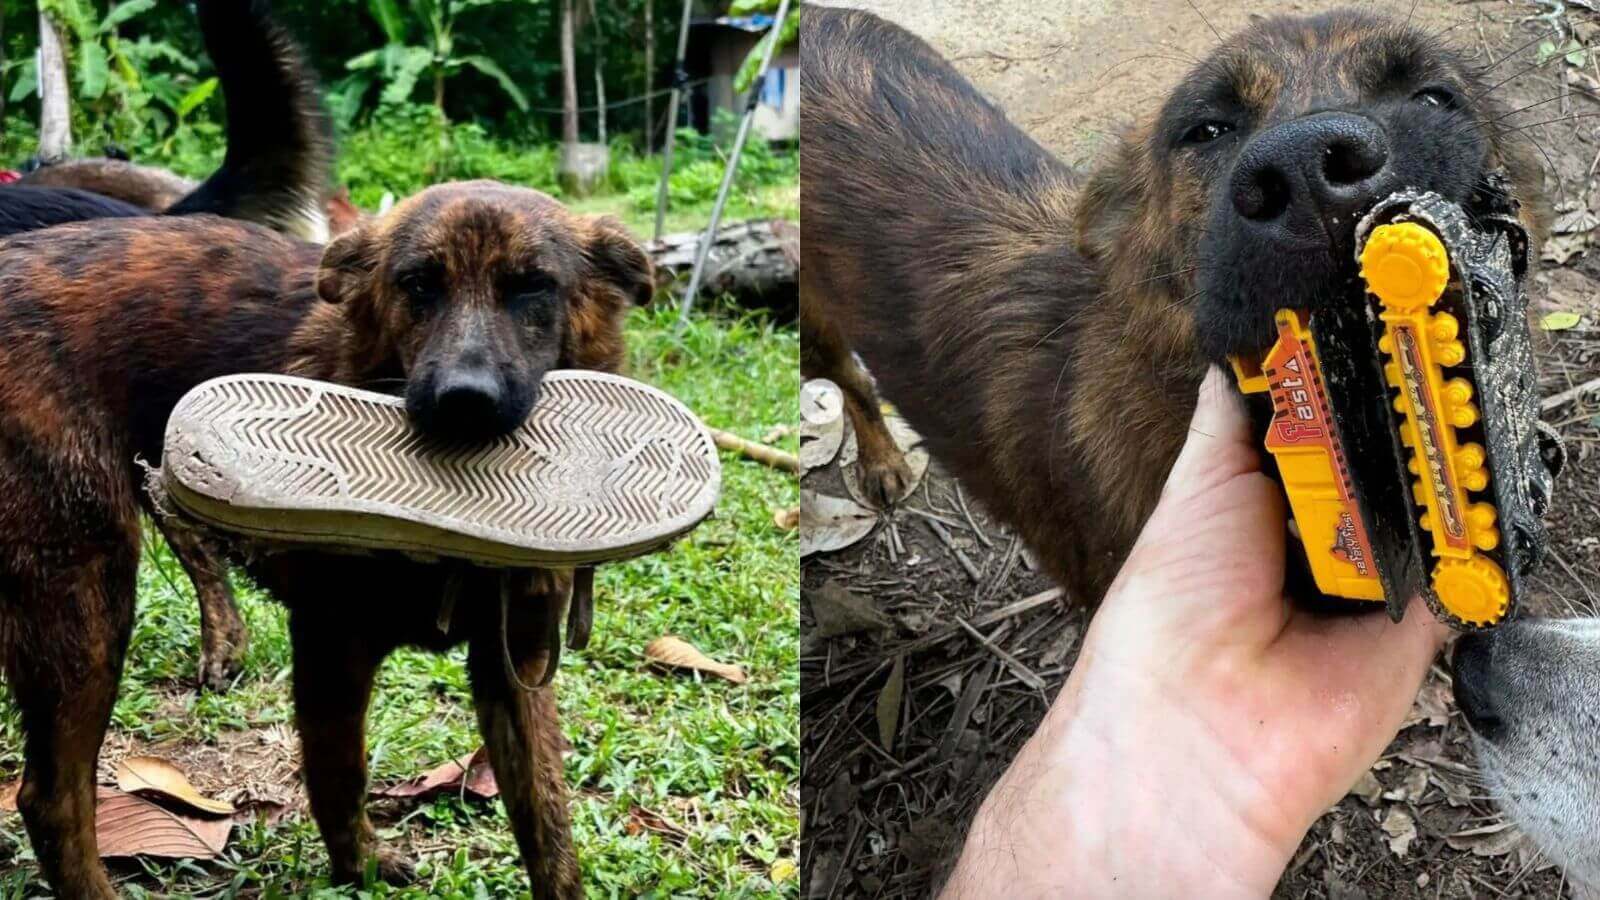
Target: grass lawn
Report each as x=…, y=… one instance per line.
x=682, y=787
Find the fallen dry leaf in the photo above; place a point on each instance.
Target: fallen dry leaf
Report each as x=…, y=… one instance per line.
x=838, y=611
x=1575, y=221
x=832, y=523
x=470, y=774
x=1401, y=829
x=821, y=423
x=1490, y=840
x=156, y=778
x=641, y=820
x=677, y=653
x=1561, y=248
x=1411, y=787
x=889, y=704
x=1368, y=788
x=128, y=825
x=786, y=519
x=8, y=795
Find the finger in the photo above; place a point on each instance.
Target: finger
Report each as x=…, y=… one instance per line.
x=1219, y=445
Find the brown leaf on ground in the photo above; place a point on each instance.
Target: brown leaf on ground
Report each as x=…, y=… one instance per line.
x=839, y=611
x=1401, y=829
x=641, y=820
x=471, y=775
x=889, y=704
x=786, y=519
x=158, y=779
x=832, y=523
x=1490, y=840
x=677, y=653
x=8, y=795
x=128, y=825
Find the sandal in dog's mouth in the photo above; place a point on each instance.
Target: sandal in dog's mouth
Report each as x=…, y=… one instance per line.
x=604, y=468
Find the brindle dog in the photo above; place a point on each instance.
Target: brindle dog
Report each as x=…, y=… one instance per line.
x=1045, y=335
x=461, y=298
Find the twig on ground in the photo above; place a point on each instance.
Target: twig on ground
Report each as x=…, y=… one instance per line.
x=1555, y=401
x=962, y=499
x=950, y=544
x=761, y=453
x=1022, y=672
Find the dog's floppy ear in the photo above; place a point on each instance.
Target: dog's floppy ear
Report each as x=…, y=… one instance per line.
x=347, y=264
x=616, y=273
x=611, y=255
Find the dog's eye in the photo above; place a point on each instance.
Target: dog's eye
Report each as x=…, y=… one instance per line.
x=1444, y=98
x=422, y=284
x=528, y=285
x=1206, y=132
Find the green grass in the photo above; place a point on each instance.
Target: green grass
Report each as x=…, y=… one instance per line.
x=643, y=738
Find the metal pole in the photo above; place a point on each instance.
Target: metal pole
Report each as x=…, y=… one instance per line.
x=680, y=83
x=733, y=167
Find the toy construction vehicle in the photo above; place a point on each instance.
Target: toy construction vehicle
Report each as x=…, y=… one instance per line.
x=1405, y=428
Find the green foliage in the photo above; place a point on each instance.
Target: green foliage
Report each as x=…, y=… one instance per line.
x=125, y=89
x=788, y=36
x=698, y=164
x=398, y=65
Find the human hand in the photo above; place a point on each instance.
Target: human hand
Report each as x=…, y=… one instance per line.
x=1208, y=722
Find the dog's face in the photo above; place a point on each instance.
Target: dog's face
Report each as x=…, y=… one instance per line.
x=1530, y=691
x=1245, y=192
x=473, y=290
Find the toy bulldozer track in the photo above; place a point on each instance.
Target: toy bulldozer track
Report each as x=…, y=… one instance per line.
x=1405, y=427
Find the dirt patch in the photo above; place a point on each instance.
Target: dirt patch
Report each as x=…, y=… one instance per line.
x=975, y=649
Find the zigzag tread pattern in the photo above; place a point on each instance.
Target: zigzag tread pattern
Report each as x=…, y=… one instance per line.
x=597, y=459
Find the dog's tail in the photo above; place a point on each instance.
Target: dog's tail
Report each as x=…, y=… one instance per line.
x=278, y=167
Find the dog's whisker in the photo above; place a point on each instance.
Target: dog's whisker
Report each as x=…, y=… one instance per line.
x=1511, y=54
x=1205, y=20
x=1535, y=67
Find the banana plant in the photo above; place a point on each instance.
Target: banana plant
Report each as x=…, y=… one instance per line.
x=421, y=41
x=788, y=34
x=123, y=82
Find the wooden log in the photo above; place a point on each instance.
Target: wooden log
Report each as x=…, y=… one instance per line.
x=756, y=262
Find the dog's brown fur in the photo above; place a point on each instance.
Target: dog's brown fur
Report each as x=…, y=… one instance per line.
x=1038, y=332
x=144, y=186
x=105, y=324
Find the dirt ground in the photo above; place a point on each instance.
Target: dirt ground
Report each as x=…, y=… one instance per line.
x=909, y=602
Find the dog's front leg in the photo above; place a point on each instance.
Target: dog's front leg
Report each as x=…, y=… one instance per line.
x=522, y=730
x=335, y=662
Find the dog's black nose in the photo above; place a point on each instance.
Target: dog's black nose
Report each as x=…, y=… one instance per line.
x=1472, y=662
x=1312, y=176
x=467, y=401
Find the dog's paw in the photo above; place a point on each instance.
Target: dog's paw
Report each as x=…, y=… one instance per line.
x=394, y=867
x=221, y=661
x=885, y=480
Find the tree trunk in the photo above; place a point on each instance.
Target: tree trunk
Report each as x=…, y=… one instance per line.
x=438, y=92
x=569, y=77
x=55, y=115
x=649, y=76
x=756, y=262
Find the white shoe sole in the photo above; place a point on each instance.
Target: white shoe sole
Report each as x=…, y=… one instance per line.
x=605, y=468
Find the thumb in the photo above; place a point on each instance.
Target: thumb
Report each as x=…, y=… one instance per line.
x=1220, y=445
